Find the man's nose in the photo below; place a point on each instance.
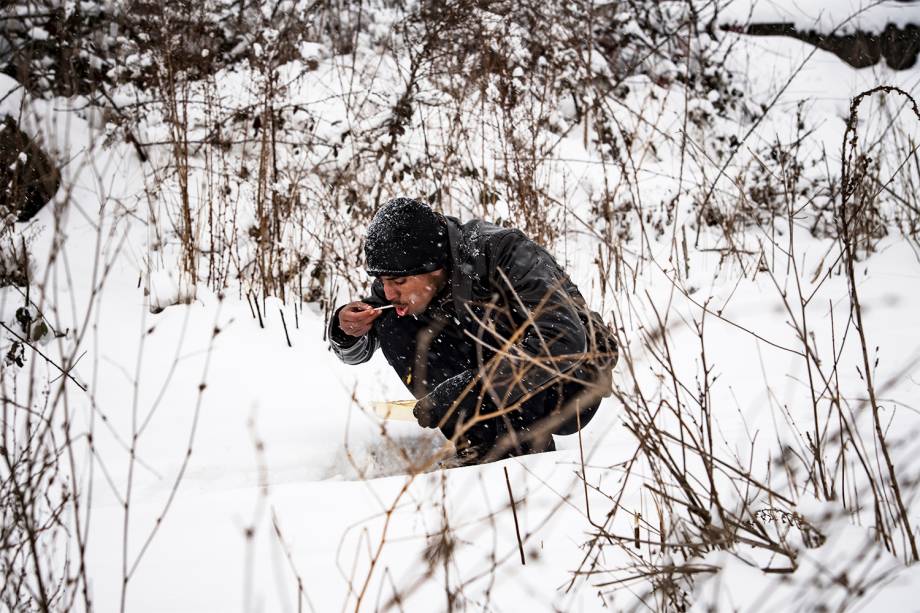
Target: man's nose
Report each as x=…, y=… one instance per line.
x=390, y=292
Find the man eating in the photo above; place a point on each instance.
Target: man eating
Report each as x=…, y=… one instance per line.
x=484, y=328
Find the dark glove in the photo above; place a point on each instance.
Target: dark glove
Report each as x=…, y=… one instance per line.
x=430, y=410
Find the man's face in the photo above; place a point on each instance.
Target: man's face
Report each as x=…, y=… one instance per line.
x=413, y=294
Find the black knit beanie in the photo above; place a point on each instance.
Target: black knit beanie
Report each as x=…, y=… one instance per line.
x=405, y=238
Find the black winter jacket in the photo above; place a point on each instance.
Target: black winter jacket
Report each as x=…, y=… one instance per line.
x=526, y=323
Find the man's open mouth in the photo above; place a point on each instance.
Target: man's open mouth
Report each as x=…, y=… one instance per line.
x=401, y=309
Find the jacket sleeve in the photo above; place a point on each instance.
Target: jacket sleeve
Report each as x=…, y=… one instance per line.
x=351, y=349
x=549, y=338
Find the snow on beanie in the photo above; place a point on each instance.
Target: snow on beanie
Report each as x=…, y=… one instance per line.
x=405, y=238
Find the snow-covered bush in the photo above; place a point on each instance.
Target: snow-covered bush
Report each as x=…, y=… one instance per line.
x=469, y=106
x=55, y=47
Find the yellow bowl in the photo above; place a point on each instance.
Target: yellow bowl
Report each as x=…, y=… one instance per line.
x=394, y=410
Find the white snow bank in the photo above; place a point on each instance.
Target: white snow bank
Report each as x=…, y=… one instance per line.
x=823, y=16
x=849, y=567
x=168, y=287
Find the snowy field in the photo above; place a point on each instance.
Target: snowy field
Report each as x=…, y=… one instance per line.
x=236, y=465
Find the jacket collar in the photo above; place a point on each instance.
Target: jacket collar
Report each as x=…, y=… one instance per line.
x=461, y=279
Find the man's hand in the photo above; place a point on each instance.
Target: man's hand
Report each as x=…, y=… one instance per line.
x=430, y=410
x=357, y=318
x=426, y=413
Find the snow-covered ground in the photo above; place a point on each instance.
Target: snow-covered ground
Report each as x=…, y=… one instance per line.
x=262, y=482
x=841, y=16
